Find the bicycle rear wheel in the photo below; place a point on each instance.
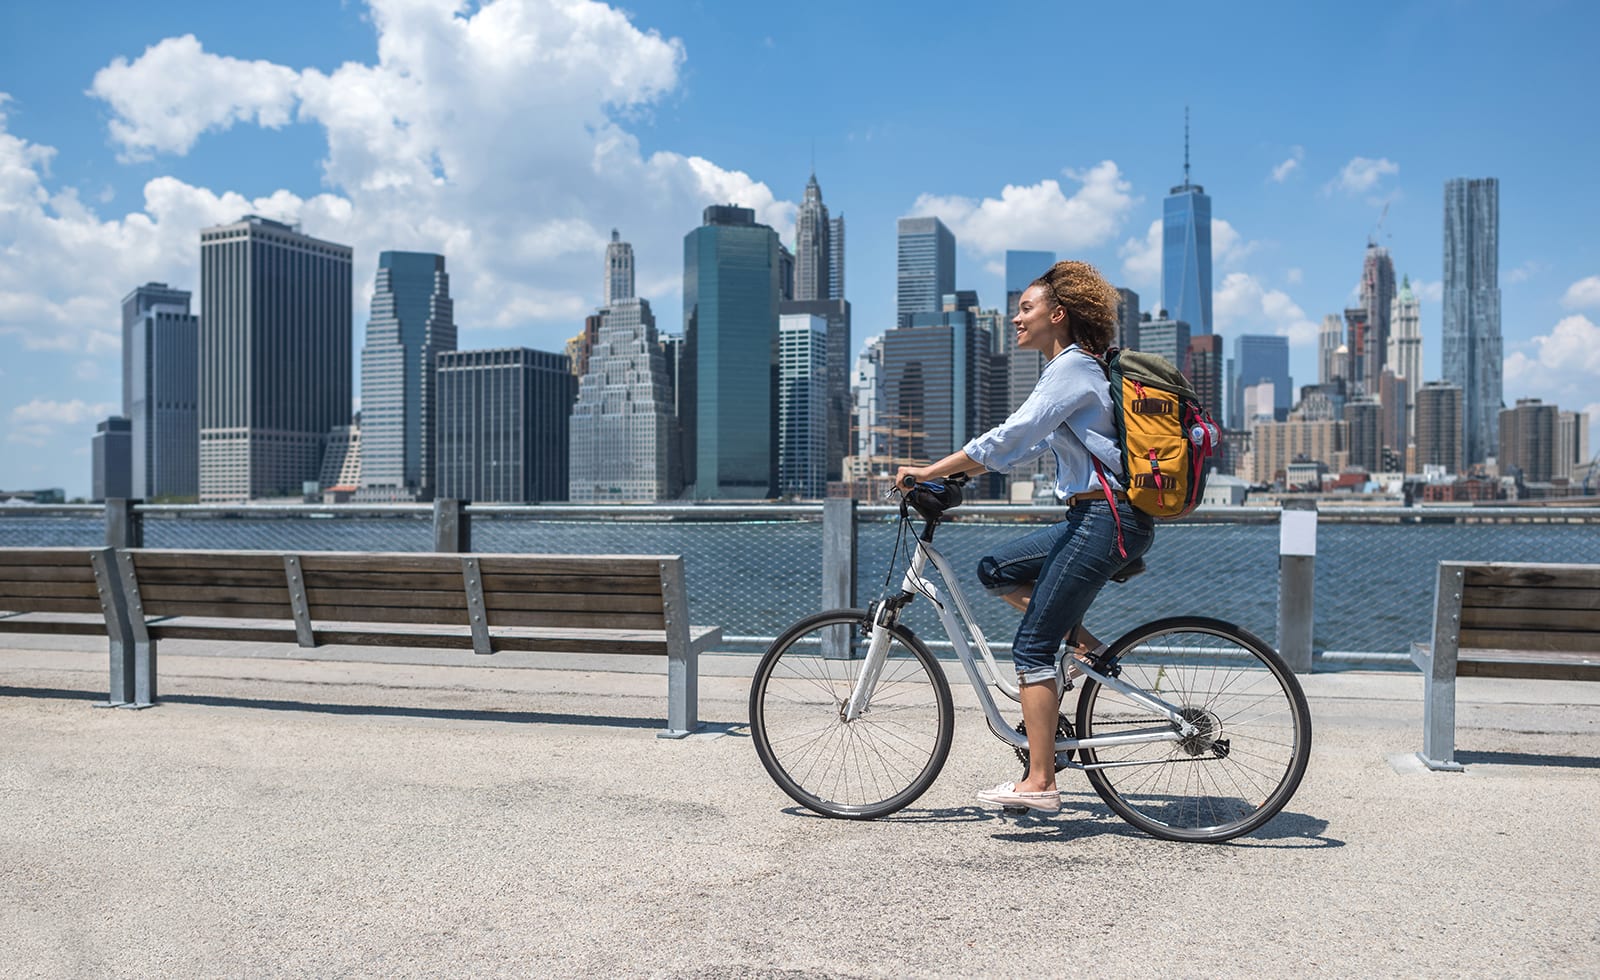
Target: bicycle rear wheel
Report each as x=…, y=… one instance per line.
x=861, y=769
x=1241, y=766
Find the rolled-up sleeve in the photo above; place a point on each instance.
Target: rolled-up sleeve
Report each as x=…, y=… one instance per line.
x=1023, y=436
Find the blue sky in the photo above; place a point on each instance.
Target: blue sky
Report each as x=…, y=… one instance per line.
x=514, y=135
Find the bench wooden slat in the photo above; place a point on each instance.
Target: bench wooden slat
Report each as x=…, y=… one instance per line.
x=208, y=593
x=188, y=578
x=1498, y=597
x=1519, y=575
x=1543, y=665
x=441, y=581
x=50, y=604
x=221, y=609
x=1489, y=639
x=619, y=566
x=574, y=584
x=144, y=558
x=573, y=602
x=411, y=598
x=576, y=620
x=1533, y=620
x=56, y=624
x=24, y=558
x=77, y=589
x=48, y=573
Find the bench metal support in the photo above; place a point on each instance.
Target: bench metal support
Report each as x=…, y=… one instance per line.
x=477, y=612
x=144, y=648
x=1439, y=673
x=296, y=581
x=683, y=661
x=108, y=584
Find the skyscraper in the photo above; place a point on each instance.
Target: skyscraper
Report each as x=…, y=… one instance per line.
x=811, y=228
x=1204, y=370
x=730, y=312
x=1260, y=357
x=1358, y=337
x=275, y=372
x=619, y=270
x=623, y=446
x=1167, y=337
x=935, y=385
x=836, y=314
x=1022, y=268
x=503, y=425
x=926, y=267
x=836, y=257
x=1377, y=293
x=1438, y=428
x=802, y=405
x=1405, y=348
x=1127, y=319
x=1364, y=429
x=1330, y=337
x=161, y=369
x=1186, y=250
x=412, y=322
x=1470, y=343
x=1528, y=440
x=111, y=459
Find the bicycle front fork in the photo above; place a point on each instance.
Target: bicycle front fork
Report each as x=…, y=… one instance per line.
x=883, y=614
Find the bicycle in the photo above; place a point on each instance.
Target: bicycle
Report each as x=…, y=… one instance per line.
x=1189, y=728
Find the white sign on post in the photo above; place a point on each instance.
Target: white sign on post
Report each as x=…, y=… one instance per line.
x=1297, y=532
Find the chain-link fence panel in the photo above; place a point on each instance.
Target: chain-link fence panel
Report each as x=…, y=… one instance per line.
x=750, y=577
x=299, y=531
x=24, y=530
x=1375, y=581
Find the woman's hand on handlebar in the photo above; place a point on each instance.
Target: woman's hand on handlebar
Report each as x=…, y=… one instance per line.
x=909, y=476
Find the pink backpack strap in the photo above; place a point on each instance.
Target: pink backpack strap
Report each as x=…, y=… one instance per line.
x=1111, y=498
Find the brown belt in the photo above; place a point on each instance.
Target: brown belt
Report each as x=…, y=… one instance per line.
x=1092, y=495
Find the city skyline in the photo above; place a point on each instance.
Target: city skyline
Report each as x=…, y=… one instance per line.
x=125, y=136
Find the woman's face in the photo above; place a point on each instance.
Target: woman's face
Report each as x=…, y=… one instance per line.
x=1040, y=321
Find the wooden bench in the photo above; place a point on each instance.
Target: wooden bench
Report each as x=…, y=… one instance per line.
x=611, y=604
x=69, y=592
x=1495, y=619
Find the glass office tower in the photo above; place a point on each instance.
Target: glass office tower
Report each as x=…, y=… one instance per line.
x=1470, y=345
x=926, y=267
x=161, y=372
x=1186, y=251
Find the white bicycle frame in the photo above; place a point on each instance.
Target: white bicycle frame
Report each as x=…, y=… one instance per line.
x=957, y=629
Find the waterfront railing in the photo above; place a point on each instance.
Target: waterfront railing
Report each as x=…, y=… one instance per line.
x=1330, y=587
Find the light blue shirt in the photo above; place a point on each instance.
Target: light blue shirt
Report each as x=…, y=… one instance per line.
x=1069, y=414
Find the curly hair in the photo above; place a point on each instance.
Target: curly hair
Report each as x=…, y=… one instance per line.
x=1091, y=303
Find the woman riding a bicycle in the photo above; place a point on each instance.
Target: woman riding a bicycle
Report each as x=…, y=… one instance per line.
x=1054, y=573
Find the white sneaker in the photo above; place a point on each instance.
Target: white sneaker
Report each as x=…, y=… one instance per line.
x=1048, y=801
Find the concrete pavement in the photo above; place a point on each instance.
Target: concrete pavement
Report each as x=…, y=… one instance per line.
x=284, y=817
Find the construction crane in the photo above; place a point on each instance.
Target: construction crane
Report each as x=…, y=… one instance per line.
x=1372, y=239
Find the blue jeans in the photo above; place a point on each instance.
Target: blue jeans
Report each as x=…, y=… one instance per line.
x=1067, y=564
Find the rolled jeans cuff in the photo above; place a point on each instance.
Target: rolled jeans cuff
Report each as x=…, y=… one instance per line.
x=1037, y=675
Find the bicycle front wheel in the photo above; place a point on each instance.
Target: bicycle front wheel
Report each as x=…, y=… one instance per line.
x=1251, y=739
x=862, y=769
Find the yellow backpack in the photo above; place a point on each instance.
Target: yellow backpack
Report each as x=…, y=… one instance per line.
x=1164, y=432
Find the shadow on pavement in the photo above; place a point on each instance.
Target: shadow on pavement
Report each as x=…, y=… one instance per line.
x=1526, y=759
x=380, y=710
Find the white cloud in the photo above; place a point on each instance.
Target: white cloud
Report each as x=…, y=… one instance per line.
x=39, y=422
x=1583, y=294
x=1431, y=291
x=1243, y=305
x=494, y=133
x=1525, y=271
x=1361, y=175
x=1294, y=277
x=1281, y=172
x=175, y=91
x=1038, y=216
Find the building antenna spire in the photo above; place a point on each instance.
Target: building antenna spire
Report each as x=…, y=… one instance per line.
x=1186, y=146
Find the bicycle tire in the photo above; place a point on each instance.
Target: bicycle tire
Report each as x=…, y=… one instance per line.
x=867, y=768
x=1243, y=765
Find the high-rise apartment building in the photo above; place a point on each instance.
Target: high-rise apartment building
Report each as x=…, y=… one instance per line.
x=503, y=434
x=1330, y=337
x=1528, y=440
x=1186, y=251
x=1127, y=319
x=1204, y=359
x=275, y=371
x=1439, y=427
x=412, y=322
x=869, y=438
x=1275, y=445
x=1572, y=443
x=1377, y=294
x=1163, y=335
x=731, y=293
x=936, y=385
x=1393, y=420
x=1264, y=357
x=925, y=268
x=624, y=439
x=836, y=314
x=161, y=372
x=1358, y=335
x=1363, y=428
x=111, y=459
x=802, y=405
x=836, y=257
x=1470, y=342
x=1405, y=348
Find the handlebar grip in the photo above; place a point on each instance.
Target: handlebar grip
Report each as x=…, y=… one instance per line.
x=908, y=482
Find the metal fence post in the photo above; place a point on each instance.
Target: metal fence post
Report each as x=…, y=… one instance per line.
x=124, y=523
x=1297, y=565
x=838, y=569
x=452, y=526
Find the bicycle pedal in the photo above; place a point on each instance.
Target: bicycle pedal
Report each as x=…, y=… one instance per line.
x=1014, y=811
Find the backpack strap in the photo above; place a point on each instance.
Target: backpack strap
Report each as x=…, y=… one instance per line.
x=1111, y=499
